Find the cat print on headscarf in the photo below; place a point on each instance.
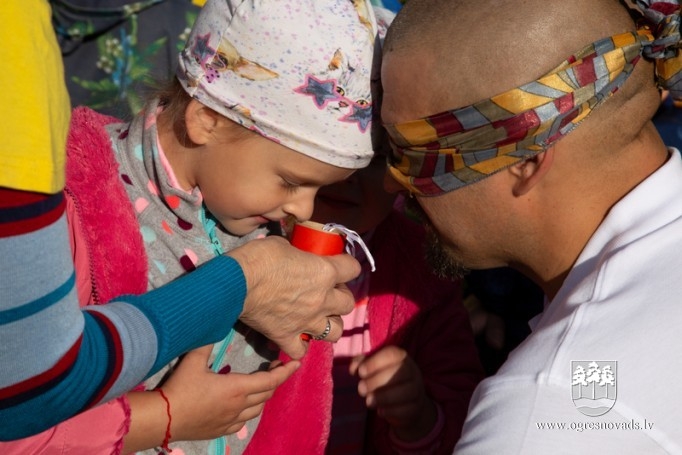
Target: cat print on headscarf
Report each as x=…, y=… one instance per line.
x=244, y=117
x=362, y=8
x=341, y=90
x=296, y=72
x=227, y=58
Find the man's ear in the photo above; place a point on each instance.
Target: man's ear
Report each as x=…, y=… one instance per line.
x=530, y=171
x=200, y=121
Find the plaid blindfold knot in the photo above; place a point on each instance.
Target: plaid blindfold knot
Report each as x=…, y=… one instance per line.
x=449, y=150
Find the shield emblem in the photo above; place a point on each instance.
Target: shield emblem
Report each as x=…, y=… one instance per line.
x=594, y=385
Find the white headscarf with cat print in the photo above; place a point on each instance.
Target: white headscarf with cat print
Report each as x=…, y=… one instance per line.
x=295, y=71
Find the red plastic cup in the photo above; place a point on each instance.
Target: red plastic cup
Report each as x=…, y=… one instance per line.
x=309, y=236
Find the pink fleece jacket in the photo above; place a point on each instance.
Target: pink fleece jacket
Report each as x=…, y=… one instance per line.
x=408, y=307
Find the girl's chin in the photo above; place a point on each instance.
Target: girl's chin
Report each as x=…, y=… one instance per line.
x=243, y=227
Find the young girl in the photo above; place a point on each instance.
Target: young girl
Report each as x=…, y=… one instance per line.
x=272, y=101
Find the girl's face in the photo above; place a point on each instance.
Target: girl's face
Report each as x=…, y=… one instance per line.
x=247, y=180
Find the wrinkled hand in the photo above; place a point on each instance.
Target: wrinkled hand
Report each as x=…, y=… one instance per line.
x=391, y=383
x=204, y=405
x=290, y=292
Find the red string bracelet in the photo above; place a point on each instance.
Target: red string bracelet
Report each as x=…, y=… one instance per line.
x=166, y=439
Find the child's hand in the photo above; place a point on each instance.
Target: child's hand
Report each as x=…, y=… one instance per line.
x=204, y=404
x=218, y=404
x=392, y=384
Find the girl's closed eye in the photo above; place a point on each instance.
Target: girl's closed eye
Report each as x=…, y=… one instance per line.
x=290, y=186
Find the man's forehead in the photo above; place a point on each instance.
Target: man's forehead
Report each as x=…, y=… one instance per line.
x=408, y=80
x=479, y=52
x=427, y=78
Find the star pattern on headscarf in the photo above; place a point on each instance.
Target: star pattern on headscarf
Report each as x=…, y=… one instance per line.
x=362, y=114
x=201, y=50
x=322, y=91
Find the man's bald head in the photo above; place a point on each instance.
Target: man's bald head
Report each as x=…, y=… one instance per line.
x=470, y=50
x=536, y=211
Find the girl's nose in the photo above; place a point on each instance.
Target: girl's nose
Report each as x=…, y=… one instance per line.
x=301, y=205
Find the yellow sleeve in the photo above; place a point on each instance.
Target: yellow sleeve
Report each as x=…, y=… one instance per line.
x=35, y=108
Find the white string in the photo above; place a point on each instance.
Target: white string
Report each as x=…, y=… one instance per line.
x=352, y=238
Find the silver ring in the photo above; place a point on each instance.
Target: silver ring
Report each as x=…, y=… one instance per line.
x=324, y=334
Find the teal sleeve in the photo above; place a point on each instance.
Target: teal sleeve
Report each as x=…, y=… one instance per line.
x=195, y=310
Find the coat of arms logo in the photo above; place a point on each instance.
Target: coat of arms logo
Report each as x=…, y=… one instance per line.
x=593, y=386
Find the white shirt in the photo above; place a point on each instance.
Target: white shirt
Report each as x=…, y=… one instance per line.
x=621, y=302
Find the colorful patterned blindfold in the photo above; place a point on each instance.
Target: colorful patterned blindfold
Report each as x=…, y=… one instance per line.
x=446, y=151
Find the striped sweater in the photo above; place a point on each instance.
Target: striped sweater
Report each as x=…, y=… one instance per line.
x=57, y=359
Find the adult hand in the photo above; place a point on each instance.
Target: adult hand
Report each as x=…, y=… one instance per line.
x=391, y=383
x=203, y=404
x=290, y=292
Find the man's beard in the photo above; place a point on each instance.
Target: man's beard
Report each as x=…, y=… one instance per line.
x=442, y=264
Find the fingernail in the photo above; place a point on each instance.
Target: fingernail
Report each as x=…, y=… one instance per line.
x=362, y=389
